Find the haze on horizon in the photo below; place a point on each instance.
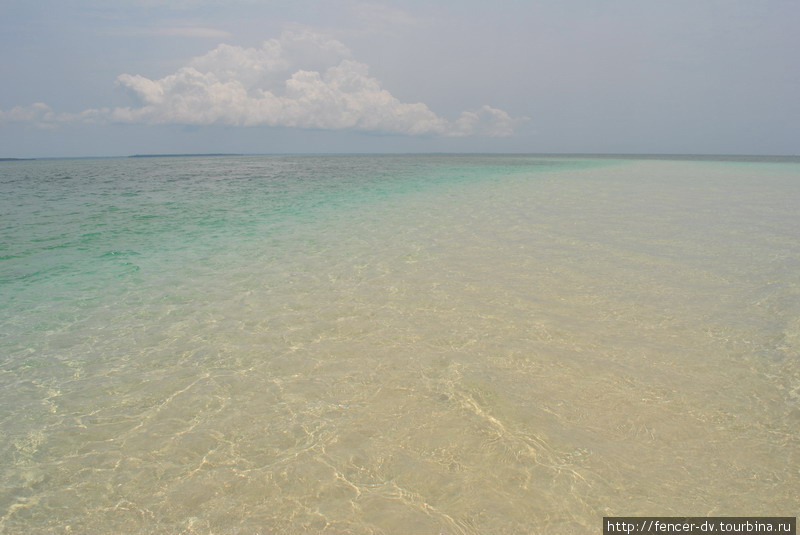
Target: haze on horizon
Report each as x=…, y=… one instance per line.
x=120, y=77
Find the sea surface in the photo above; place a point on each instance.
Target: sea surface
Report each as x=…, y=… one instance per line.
x=411, y=344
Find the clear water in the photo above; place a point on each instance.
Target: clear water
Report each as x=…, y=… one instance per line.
x=396, y=344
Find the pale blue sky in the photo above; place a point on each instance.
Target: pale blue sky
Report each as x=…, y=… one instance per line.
x=118, y=77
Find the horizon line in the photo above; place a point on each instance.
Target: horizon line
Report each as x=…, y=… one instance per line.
x=475, y=153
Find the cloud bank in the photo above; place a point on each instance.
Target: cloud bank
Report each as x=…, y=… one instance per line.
x=301, y=79
x=42, y=116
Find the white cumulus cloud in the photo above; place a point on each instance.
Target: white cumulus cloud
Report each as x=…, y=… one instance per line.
x=301, y=79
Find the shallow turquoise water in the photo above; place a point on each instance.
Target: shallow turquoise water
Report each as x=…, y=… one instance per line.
x=378, y=344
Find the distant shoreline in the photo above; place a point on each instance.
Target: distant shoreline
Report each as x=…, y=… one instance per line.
x=180, y=155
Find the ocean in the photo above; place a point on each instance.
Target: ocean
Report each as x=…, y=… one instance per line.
x=396, y=344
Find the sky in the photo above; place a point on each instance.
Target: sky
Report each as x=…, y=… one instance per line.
x=121, y=77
